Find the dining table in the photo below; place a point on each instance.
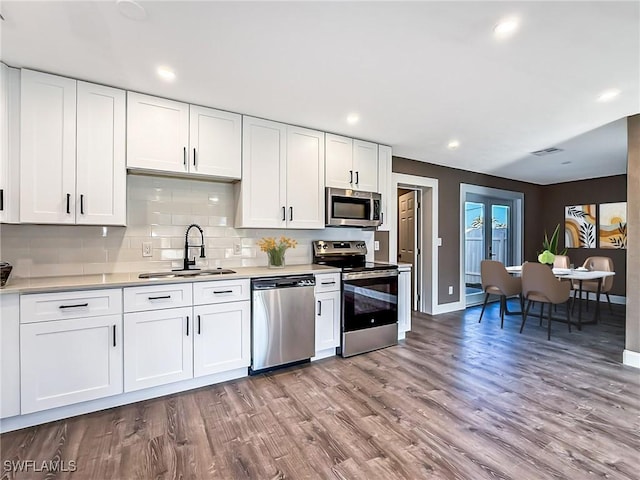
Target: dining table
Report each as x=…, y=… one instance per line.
x=580, y=275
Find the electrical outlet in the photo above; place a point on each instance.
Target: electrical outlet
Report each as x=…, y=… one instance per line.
x=237, y=249
x=376, y=245
x=147, y=249
x=450, y=289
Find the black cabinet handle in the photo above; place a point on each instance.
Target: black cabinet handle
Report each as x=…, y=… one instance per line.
x=114, y=335
x=199, y=325
x=290, y=214
x=184, y=156
x=164, y=297
x=222, y=291
x=350, y=176
x=284, y=214
x=1, y=199
x=81, y=204
x=327, y=283
x=357, y=178
x=319, y=308
x=187, y=325
x=194, y=157
x=68, y=203
x=381, y=218
x=79, y=305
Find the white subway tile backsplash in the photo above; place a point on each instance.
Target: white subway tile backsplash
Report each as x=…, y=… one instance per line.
x=158, y=211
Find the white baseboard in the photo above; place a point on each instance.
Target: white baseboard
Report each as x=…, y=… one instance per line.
x=329, y=352
x=615, y=299
x=631, y=358
x=448, y=307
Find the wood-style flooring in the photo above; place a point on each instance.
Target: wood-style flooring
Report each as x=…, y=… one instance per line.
x=456, y=400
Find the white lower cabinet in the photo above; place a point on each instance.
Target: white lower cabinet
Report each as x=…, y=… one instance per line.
x=222, y=337
x=157, y=347
x=9, y=355
x=69, y=361
x=328, y=311
x=404, y=301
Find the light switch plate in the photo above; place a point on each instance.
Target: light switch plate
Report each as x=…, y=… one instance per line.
x=376, y=245
x=147, y=249
x=439, y=241
x=237, y=249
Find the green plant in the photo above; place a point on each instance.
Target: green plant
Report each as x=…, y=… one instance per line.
x=550, y=247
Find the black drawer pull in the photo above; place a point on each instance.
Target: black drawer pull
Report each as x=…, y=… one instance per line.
x=327, y=283
x=114, y=335
x=163, y=297
x=79, y=305
x=222, y=291
x=319, y=308
x=199, y=325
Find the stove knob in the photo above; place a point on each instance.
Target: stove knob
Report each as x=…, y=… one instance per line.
x=324, y=247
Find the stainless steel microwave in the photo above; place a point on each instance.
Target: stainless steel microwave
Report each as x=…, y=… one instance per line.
x=352, y=208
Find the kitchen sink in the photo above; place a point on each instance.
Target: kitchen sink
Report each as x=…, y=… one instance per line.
x=186, y=273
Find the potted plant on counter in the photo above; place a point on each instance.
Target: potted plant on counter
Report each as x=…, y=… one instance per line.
x=550, y=248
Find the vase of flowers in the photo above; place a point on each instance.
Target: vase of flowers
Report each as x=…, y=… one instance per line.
x=550, y=248
x=275, y=250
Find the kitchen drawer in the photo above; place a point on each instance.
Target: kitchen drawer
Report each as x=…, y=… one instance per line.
x=327, y=282
x=139, y=299
x=221, y=291
x=39, y=307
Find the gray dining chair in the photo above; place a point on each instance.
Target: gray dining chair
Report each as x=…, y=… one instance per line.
x=601, y=264
x=497, y=281
x=540, y=285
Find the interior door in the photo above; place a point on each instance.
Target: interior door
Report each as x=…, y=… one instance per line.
x=488, y=234
x=407, y=232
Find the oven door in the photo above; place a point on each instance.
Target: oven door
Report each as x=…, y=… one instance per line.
x=369, y=299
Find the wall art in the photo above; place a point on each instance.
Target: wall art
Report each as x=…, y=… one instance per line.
x=580, y=226
x=612, y=225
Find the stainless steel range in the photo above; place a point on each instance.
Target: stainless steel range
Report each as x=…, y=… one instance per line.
x=369, y=296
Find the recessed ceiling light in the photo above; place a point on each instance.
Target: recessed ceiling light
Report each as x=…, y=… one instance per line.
x=453, y=144
x=353, y=118
x=567, y=162
x=166, y=74
x=608, y=95
x=506, y=27
x=131, y=9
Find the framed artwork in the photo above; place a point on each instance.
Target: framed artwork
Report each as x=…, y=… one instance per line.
x=580, y=226
x=612, y=225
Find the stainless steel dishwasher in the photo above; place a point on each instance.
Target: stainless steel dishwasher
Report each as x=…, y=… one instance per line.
x=282, y=321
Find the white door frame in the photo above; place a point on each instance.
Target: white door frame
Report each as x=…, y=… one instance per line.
x=518, y=204
x=428, y=243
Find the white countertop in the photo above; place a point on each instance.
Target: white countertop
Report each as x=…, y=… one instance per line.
x=115, y=280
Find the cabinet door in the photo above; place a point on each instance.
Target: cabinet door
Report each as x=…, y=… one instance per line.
x=157, y=348
x=9, y=355
x=404, y=302
x=339, y=171
x=305, y=178
x=70, y=361
x=327, y=320
x=101, y=175
x=384, y=185
x=215, y=139
x=222, y=337
x=365, y=166
x=157, y=133
x=9, y=144
x=263, y=198
x=47, y=148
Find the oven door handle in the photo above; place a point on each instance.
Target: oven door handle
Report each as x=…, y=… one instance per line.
x=370, y=274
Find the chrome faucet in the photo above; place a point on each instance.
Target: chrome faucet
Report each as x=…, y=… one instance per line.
x=189, y=263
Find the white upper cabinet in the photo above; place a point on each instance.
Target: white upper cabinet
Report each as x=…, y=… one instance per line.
x=174, y=137
x=157, y=133
x=282, y=182
x=351, y=164
x=215, y=139
x=72, y=147
x=101, y=175
x=47, y=148
x=305, y=178
x=384, y=185
x=9, y=144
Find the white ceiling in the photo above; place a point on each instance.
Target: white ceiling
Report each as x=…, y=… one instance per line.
x=418, y=73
